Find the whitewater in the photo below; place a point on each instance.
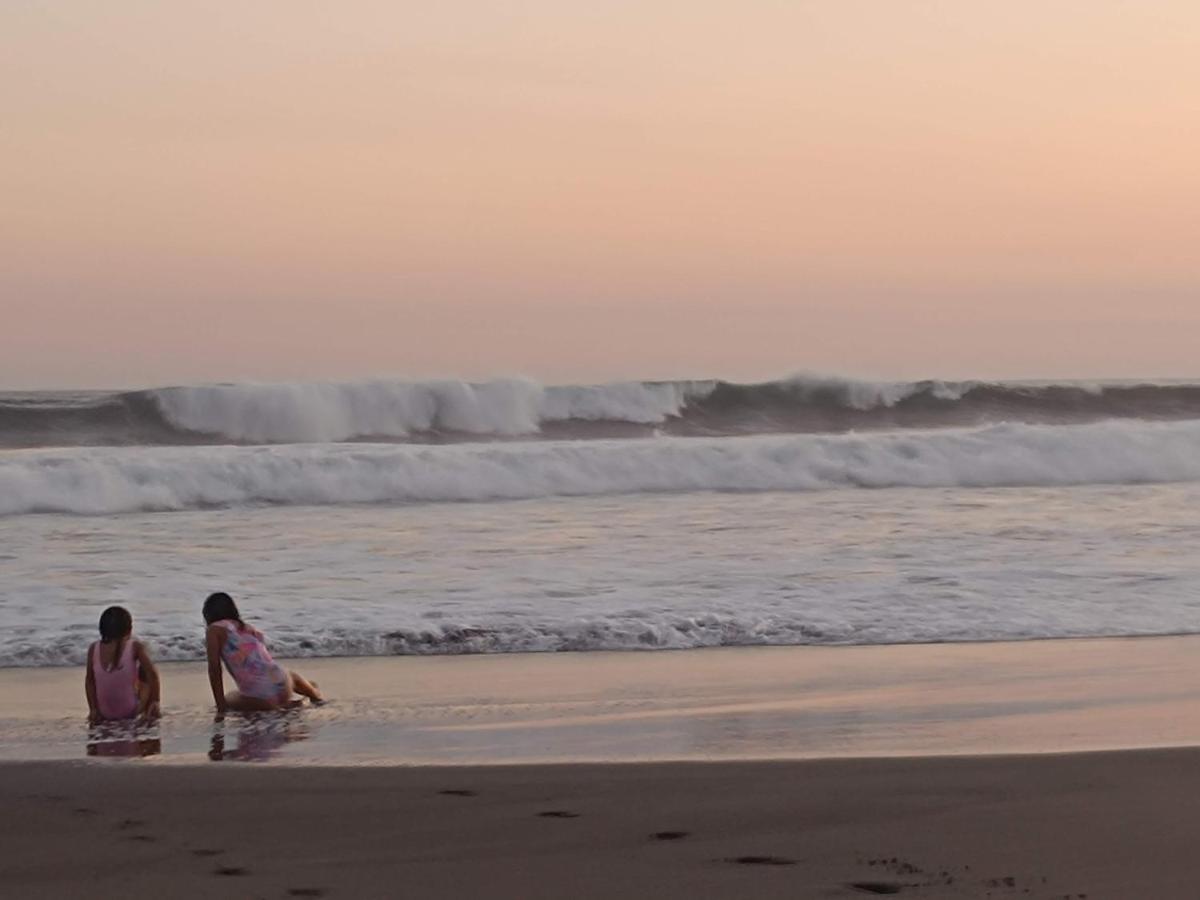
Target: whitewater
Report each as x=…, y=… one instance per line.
x=122, y=480
x=447, y=411
x=392, y=516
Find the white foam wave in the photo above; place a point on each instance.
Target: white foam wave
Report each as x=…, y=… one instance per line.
x=645, y=403
x=614, y=632
x=119, y=480
x=341, y=411
x=316, y=412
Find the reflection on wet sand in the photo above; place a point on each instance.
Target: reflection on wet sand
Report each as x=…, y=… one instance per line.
x=123, y=739
x=257, y=737
x=142, y=747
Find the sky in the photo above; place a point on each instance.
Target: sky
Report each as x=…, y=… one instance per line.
x=571, y=191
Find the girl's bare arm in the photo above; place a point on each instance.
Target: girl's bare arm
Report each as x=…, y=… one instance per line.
x=89, y=688
x=213, y=642
x=150, y=701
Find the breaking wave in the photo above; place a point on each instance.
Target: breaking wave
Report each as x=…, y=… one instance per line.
x=450, y=411
x=610, y=632
x=124, y=480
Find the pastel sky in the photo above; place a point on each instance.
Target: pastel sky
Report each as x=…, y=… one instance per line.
x=285, y=189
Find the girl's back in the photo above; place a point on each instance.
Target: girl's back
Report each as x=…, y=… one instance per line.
x=115, y=671
x=122, y=680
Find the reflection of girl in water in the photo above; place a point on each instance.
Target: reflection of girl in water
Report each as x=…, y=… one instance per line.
x=121, y=681
x=262, y=683
x=258, y=738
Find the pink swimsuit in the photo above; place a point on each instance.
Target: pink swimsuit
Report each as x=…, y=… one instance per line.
x=116, y=688
x=256, y=673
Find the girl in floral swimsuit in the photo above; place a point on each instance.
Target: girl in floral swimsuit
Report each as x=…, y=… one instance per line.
x=262, y=683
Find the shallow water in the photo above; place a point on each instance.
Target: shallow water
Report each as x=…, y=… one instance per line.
x=617, y=572
x=725, y=703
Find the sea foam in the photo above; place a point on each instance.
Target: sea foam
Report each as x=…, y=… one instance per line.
x=458, y=411
x=124, y=480
x=325, y=412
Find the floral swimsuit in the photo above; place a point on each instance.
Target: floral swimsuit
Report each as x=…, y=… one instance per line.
x=249, y=662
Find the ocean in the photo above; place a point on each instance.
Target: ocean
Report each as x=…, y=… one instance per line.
x=393, y=517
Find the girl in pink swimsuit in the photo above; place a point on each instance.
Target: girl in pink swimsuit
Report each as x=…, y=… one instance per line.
x=262, y=683
x=121, y=681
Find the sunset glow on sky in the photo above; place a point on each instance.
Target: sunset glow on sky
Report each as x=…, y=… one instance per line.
x=580, y=191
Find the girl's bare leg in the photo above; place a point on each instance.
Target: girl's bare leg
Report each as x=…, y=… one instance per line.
x=305, y=688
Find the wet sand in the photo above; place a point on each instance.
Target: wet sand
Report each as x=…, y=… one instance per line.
x=724, y=704
x=1108, y=825
x=724, y=773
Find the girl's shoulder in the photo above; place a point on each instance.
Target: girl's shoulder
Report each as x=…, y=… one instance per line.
x=230, y=627
x=217, y=631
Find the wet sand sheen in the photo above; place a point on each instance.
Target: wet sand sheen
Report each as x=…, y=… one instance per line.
x=1049, y=825
x=737, y=703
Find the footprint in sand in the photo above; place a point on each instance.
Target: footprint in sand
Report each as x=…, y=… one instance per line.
x=558, y=814
x=876, y=887
x=762, y=861
x=306, y=892
x=231, y=871
x=204, y=851
x=456, y=792
x=669, y=835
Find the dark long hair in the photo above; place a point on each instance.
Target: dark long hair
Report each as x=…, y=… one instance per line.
x=116, y=624
x=220, y=606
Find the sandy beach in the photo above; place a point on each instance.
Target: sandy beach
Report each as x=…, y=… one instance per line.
x=1106, y=825
x=927, y=771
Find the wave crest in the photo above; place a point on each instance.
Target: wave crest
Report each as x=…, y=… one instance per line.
x=291, y=413
x=449, y=411
x=125, y=480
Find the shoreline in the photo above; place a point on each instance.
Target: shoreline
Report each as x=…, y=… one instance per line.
x=761, y=703
x=942, y=772
x=298, y=661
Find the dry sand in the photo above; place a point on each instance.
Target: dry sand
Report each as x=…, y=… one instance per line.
x=1102, y=825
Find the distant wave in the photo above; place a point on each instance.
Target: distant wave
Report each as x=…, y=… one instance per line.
x=451, y=411
x=121, y=480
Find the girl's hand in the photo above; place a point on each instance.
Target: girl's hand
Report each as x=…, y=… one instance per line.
x=152, y=712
